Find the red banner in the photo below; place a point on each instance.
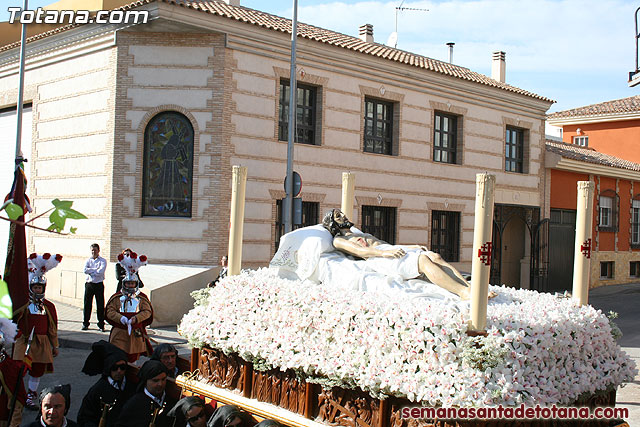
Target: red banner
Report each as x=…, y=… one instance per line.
x=15, y=270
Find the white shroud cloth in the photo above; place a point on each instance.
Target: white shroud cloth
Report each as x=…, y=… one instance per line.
x=308, y=254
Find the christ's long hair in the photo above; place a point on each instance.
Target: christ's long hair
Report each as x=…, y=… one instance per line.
x=329, y=222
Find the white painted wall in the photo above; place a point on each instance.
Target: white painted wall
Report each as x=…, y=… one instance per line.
x=7, y=164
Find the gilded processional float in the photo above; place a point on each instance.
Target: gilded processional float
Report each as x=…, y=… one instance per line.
x=320, y=338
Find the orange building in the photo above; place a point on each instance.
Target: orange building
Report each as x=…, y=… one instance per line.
x=611, y=127
x=615, y=253
x=600, y=143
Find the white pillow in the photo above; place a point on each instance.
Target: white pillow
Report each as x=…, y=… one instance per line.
x=300, y=250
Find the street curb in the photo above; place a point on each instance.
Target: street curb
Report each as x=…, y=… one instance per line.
x=83, y=340
x=71, y=343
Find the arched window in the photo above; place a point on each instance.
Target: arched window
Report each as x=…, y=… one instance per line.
x=608, y=208
x=168, y=166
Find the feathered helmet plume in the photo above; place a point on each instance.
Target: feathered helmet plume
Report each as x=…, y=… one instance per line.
x=8, y=331
x=131, y=265
x=39, y=265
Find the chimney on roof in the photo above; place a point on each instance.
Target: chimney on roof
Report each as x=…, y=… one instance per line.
x=366, y=33
x=232, y=2
x=451, y=45
x=498, y=66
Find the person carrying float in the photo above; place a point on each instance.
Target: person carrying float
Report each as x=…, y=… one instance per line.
x=102, y=404
x=37, y=341
x=129, y=311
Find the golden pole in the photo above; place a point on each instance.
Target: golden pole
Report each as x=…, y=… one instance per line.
x=582, y=254
x=348, y=190
x=239, y=183
x=482, y=250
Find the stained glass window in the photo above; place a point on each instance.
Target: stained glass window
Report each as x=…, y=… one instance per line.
x=168, y=166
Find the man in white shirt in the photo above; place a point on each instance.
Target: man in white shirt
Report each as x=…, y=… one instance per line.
x=94, y=268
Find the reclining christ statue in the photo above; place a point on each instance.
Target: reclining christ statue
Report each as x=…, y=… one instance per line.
x=406, y=261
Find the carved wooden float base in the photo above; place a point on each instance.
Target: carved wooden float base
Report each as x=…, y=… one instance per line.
x=283, y=397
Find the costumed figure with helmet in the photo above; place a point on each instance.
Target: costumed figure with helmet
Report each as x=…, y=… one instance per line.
x=12, y=392
x=102, y=404
x=129, y=311
x=37, y=341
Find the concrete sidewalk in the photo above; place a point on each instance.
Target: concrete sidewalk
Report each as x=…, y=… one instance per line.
x=71, y=335
x=624, y=300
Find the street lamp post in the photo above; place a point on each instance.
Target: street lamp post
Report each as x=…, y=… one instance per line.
x=23, y=42
x=287, y=207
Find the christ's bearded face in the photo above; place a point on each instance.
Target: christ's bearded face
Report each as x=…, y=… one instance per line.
x=341, y=219
x=336, y=222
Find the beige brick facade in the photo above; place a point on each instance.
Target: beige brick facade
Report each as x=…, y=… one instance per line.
x=91, y=108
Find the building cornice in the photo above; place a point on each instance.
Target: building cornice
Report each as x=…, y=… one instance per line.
x=250, y=38
x=67, y=50
x=596, y=118
x=556, y=161
x=75, y=41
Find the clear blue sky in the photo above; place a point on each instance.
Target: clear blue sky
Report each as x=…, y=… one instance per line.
x=577, y=52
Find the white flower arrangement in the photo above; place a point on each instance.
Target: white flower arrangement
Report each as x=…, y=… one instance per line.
x=539, y=349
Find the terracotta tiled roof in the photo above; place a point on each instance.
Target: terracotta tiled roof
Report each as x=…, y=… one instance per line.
x=589, y=155
x=617, y=106
x=277, y=23
x=68, y=26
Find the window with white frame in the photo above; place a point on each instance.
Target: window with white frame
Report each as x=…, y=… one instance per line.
x=606, y=211
x=582, y=141
x=635, y=222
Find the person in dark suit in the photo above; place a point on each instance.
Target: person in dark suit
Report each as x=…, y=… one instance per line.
x=150, y=403
x=168, y=355
x=106, y=398
x=224, y=269
x=229, y=416
x=55, y=403
x=190, y=411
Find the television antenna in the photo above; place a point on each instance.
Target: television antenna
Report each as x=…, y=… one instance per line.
x=393, y=38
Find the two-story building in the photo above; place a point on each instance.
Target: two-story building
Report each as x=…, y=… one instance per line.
x=140, y=125
x=599, y=144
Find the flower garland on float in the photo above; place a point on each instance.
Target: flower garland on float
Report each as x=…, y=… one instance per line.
x=539, y=349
